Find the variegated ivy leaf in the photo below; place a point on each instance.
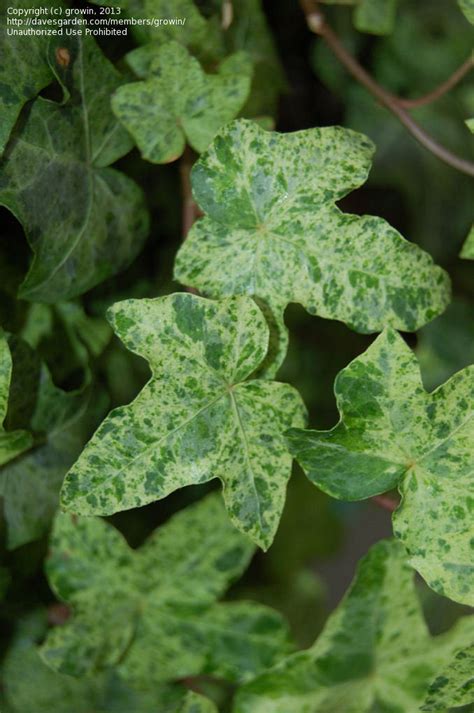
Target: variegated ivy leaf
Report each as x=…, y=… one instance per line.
x=201, y=416
x=28, y=684
x=394, y=433
x=454, y=686
x=91, y=221
x=272, y=230
x=12, y=443
x=180, y=103
x=160, y=621
x=374, y=654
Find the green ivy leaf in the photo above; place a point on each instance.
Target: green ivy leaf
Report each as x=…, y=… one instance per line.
x=29, y=684
x=201, y=416
x=159, y=621
x=374, y=16
x=394, y=433
x=24, y=69
x=273, y=230
x=181, y=103
x=91, y=222
x=454, y=686
x=375, y=652
x=30, y=484
x=12, y=443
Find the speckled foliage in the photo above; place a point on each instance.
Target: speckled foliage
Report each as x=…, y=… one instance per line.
x=393, y=433
x=159, y=621
x=455, y=684
x=83, y=221
x=201, y=416
x=374, y=654
x=12, y=443
x=272, y=230
x=179, y=103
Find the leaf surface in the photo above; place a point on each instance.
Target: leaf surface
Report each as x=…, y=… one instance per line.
x=159, y=621
x=201, y=416
x=272, y=230
x=374, y=654
x=180, y=103
x=91, y=222
x=394, y=433
x=454, y=686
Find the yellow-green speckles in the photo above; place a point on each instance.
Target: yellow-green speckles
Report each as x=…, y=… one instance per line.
x=200, y=416
x=394, y=433
x=272, y=230
x=375, y=652
x=180, y=103
x=159, y=620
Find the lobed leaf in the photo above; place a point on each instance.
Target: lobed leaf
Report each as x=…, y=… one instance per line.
x=375, y=652
x=91, y=222
x=393, y=433
x=201, y=415
x=179, y=103
x=272, y=230
x=159, y=621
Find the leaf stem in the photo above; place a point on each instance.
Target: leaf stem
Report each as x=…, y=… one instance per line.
x=441, y=89
x=190, y=211
x=317, y=24
x=385, y=502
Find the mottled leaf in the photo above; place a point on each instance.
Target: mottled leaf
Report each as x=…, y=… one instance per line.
x=91, y=221
x=454, y=686
x=273, y=230
x=12, y=443
x=201, y=416
x=374, y=654
x=180, y=103
x=159, y=621
x=394, y=433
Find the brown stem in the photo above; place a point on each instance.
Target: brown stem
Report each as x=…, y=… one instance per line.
x=440, y=90
x=385, y=502
x=317, y=24
x=190, y=211
x=58, y=614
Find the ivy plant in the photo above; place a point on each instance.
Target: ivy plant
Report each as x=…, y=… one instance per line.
x=213, y=210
